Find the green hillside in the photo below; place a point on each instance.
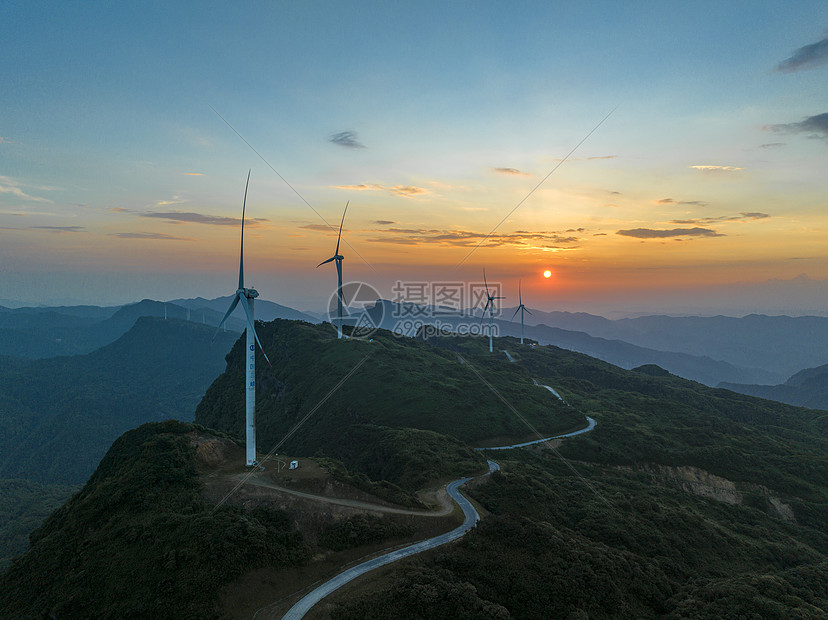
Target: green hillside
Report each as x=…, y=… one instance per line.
x=684, y=502
x=404, y=392
x=139, y=542
x=59, y=415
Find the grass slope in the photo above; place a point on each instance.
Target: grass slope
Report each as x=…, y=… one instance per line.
x=410, y=407
x=138, y=541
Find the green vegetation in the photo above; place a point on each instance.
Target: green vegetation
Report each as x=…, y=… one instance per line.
x=58, y=416
x=402, y=384
x=139, y=542
x=23, y=506
x=361, y=530
x=552, y=548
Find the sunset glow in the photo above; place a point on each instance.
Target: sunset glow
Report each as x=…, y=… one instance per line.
x=605, y=152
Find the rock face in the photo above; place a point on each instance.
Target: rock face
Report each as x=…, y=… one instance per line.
x=704, y=484
x=210, y=451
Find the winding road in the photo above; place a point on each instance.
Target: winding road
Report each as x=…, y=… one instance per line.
x=471, y=517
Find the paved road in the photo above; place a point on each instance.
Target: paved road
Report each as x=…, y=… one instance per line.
x=591, y=423
x=471, y=518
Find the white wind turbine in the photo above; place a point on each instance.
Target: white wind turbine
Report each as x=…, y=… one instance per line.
x=246, y=297
x=490, y=305
x=338, y=258
x=521, y=308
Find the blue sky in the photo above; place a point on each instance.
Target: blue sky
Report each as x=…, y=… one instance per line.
x=436, y=118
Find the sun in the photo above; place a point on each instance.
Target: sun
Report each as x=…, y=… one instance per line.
x=547, y=274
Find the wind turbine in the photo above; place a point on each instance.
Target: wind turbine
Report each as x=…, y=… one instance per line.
x=522, y=309
x=490, y=305
x=246, y=297
x=338, y=258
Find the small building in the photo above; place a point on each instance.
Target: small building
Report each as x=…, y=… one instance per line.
x=294, y=465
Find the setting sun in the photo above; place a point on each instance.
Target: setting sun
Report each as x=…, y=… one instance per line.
x=547, y=274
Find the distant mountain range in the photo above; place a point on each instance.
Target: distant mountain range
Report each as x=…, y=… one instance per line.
x=38, y=333
x=58, y=416
x=807, y=388
x=673, y=340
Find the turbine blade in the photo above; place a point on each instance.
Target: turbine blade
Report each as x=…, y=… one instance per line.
x=326, y=261
x=520, y=296
x=486, y=283
x=515, y=314
x=339, y=236
x=527, y=311
x=241, y=251
x=251, y=326
x=228, y=313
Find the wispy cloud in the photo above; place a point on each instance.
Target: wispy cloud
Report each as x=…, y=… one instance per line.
x=806, y=57
x=348, y=139
x=148, y=235
x=320, y=228
x=816, y=125
x=200, y=218
x=118, y=210
x=670, y=201
x=512, y=171
x=651, y=233
x=398, y=190
x=166, y=203
x=193, y=174
x=601, y=157
x=383, y=222
x=61, y=229
x=741, y=217
x=522, y=239
x=771, y=145
x=10, y=186
x=708, y=168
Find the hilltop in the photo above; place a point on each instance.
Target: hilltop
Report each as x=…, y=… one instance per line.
x=684, y=501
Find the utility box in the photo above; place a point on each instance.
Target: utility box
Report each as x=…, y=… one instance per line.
x=294, y=465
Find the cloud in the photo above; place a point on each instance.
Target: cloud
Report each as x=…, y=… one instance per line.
x=513, y=171
x=707, y=168
x=771, y=145
x=670, y=201
x=146, y=235
x=119, y=210
x=193, y=174
x=61, y=229
x=10, y=186
x=521, y=239
x=650, y=233
x=742, y=217
x=602, y=157
x=199, y=218
x=383, y=222
x=398, y=190
x=817, y=125
x=319, y=227
x=165, y=203
x=348, y=139
x=806, y=57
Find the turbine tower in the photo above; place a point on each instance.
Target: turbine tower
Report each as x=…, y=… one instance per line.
x=246, y=297
x=522, y=309
x=490, y=305
x=338, y=258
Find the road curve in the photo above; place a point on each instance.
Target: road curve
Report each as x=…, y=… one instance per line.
x=591, y=423
x=471, y=518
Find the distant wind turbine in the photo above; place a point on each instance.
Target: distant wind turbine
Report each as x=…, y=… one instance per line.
x=490, y=305
x=521, y=308
x=338, y=258
x=246, y=297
